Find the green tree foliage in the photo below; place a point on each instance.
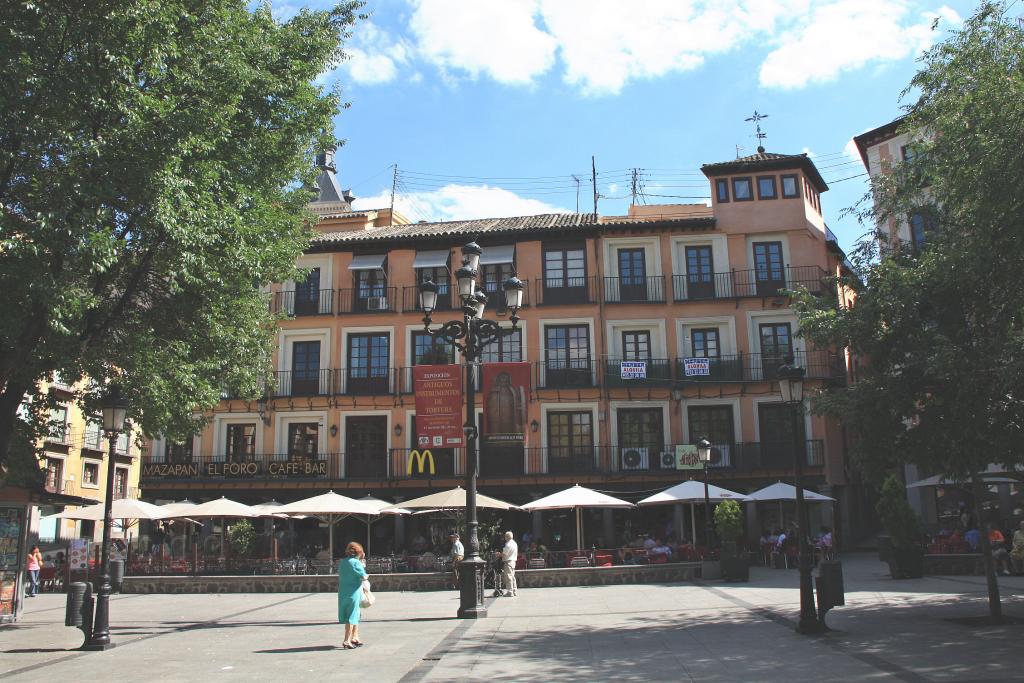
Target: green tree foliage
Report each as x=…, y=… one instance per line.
x=941, y=329
x=898, y=518
x=155, y=163
x=729, y=522
x=242, y=537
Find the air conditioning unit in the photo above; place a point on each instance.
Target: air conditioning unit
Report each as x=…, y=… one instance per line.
x=668, y=460
x=377, y=303
x=635, y=458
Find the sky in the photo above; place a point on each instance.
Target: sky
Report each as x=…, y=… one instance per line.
x=495, y=107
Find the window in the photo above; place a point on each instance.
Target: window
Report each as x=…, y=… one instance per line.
x=122, y=443
x=567, y=354
x=713, y=423
x=93, y=435
x=700, y=276
x=505, y=350
x=305, y=375
x=303, y=440
x=565, y=274
x=439, y=276
x=768, y=269
x=921, y=223
x=371, y=290
x=766, y=187
x=776, y=348
x=741, y=190
x=368, y=358
x=240, y=444
x=178, y=452
x=120, y=483
x=907, y=153
x=570, y=441
x=307, y=294
x=54, y=474
x=722, y=190
x=775, y=424
x=632, y=284
x=790, y=188
x=705, y=342
x=494, y=276
x=428, y=350
x=641, y=438
x=636, y=345
x=91, y=474
x=59, y=424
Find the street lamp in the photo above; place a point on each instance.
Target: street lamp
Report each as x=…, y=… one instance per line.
x=791, y=386
x=470, y=335
x=704, y=453
x=115, y=409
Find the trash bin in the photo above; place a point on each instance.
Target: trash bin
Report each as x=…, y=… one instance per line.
x=831, y=592
x=116, y=575
x=79, y=607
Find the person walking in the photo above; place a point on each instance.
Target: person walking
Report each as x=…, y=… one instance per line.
x=35, y=562
x=509, y=555
x=351, y=575
x=458, y=553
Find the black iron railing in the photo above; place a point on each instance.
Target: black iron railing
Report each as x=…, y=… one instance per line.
x=566, y=374
x=425, y=463
x=320, y=382
x=634, y=290
x=747, y=283
x=300, y=303
x=447, y=297
x=367, y=381
x=566, y=291
x=623, y=372
x=368, y=300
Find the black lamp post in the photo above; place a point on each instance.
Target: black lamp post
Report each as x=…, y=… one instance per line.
x=470, y=335
x=704, y=453
x=115, y=409
x=791, y=385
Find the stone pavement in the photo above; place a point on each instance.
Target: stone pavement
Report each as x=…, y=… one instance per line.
x=888, y=631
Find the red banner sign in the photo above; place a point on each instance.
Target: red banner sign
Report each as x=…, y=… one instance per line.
x=506, y=387
x=439, y=399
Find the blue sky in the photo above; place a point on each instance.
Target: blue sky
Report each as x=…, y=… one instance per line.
x=489, y=107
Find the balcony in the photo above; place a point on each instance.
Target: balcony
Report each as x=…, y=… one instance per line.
x=727, y=368
x=634, y=290
x=430, y=463
x=303, y=383
x=566, y=374
x=759, y=367
x=368, y=381
x=447, y=298
x=371, y=300
x=657, y=372
x=566, y=291
x=310, y=302
x=747, y=283
x=496, y=295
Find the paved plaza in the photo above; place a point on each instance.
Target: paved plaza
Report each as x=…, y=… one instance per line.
x=888, y=630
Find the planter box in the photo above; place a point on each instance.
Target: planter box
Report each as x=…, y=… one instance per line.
x=735, y=569
x=710, y=570
x=906, y=563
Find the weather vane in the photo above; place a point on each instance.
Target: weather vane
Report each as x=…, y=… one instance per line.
x=757, y=118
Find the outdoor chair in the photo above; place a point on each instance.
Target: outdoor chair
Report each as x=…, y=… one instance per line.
x=602, y=560
x=47, y=578
x=536, y=563
x=657, y=559
x=521, y=562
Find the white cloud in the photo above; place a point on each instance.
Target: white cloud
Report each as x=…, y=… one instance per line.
x=495, y=38
x=374, y=56
x=844, y=35
x=851, y=151
x=459, y=202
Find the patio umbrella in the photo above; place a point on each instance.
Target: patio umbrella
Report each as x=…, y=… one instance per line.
x=576, y=497
x=692, y=492
x=122, y=508
x=382, y=507
x=331, y=507
x=939, y=480
x=454, y=498
x=782, y=491
x=221, y=507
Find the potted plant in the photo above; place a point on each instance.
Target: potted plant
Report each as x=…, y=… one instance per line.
x=242, y=537
x=904, y=550
x=729, y=520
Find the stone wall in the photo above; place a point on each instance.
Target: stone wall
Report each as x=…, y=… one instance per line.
x=327, y=583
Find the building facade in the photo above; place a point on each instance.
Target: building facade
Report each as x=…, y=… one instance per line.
x=660, y=285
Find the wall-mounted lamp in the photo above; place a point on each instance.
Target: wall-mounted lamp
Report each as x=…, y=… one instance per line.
x=398, y=429
x=534, y=426
x=677, y=395
x=261, y=410
x=334, y=430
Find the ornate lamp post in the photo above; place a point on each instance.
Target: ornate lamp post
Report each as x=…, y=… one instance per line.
x=791, y=385
x=115, y=409
x=704, y=453
x=470, y=335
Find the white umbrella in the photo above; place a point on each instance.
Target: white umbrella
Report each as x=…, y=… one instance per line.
x=454, y=498
x=577, y=497
x=692, y=492
x=331, y=507
x=173, y=510
x=221, y=507
x=781, y=491
x=122, y=508
x=939, y=480
x=382, y=507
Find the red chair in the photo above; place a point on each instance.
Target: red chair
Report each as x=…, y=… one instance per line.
x=601, y=560
x=657, y=558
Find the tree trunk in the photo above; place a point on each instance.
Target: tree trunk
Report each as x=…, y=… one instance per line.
x=995, y=608
x=10, y=399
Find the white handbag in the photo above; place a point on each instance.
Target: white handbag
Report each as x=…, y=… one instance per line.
x=368, y=597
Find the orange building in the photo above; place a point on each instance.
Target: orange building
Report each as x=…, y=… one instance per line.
x=657, y=286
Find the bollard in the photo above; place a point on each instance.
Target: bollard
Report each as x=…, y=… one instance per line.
x=831, y=592
x=116, y=575
x=79, y=608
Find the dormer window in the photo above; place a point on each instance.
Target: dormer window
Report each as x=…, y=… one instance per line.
x=742, y=190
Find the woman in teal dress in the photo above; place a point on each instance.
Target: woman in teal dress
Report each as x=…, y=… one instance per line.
x=350, y=593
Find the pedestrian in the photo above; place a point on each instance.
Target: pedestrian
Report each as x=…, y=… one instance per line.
x=35, y=561
x=1017, y=554
x=458, y=553
x=350, y=593
x=509, y=555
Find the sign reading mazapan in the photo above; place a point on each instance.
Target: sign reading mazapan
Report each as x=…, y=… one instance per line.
x=422, y=459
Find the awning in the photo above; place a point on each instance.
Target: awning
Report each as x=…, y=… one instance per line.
x=495, y=255
x=368, y=262
x=432, y=259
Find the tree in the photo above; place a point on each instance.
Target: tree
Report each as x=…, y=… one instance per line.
x=941, y=330
x=155, y=163
x=242, y=536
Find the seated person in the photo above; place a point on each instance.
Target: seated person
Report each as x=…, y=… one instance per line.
x=825, y=540
x=625, y=556
x=660, y=548
x=649, y=542
x=973, y=538
x=780, y=540
x=999, y=553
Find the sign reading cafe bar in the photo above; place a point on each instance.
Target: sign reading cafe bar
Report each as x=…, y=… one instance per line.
x=271, y=468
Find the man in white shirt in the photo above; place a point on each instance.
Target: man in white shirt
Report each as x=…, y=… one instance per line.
x=509, y=555
x=458, y=553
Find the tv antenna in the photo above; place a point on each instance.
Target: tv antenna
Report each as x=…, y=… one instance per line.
x=756, y=119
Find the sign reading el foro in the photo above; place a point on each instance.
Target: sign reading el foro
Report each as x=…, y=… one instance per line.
x=438, y=391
